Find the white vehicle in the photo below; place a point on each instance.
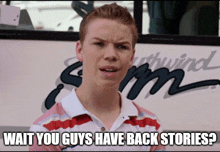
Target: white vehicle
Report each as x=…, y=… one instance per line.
x=44, y=14
x=60, y=16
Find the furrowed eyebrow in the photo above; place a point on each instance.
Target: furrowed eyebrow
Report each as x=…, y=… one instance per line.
x=97, y=38
x=118, y=43
x=124, y=42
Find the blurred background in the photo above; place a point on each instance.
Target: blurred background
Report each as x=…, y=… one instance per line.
x=192, y=18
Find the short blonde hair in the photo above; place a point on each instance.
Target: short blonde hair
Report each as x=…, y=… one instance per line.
x=114, y=12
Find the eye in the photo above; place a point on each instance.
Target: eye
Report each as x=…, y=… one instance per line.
x=99, y=44
x=122, y=47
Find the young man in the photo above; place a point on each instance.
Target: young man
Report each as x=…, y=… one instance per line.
x=106, y=47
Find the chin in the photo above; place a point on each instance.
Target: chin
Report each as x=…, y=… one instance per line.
x=109, y=83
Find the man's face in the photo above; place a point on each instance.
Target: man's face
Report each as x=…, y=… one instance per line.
x=106, y=52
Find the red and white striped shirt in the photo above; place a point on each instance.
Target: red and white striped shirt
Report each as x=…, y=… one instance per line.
x=70, y=116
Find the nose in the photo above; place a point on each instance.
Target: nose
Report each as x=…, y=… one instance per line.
x=111, y=54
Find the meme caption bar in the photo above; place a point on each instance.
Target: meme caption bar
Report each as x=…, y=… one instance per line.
x=110, y=138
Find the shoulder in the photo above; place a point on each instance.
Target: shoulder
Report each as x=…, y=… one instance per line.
x=47, y=121
x=145, y=119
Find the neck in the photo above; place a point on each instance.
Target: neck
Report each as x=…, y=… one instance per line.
x=99, y=100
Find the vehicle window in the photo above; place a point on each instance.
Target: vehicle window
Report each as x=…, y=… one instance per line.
x=61, y=15
x=190, y=18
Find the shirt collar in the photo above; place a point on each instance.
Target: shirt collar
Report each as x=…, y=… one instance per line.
x=74, y=107
x=128, y=108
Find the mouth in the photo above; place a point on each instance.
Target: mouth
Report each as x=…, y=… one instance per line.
x=109, y=69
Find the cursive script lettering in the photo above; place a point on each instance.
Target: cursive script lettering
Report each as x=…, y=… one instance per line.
x=182, y=62
x=142, y=74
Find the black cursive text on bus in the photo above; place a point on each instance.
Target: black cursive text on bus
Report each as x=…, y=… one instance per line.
x=143, y=75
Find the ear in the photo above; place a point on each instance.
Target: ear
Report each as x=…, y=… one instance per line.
x=79, y=53
x=132, y=59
